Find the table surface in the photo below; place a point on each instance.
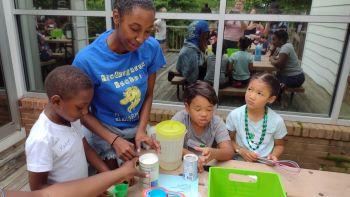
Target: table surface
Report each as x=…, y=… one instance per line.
x=308, y=183
x=264, y=65
x=61, y=40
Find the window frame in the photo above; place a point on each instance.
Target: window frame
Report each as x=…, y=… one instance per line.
x=221, y=16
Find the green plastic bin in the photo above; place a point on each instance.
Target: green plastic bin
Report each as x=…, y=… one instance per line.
x=245, y=183
x=231, y=51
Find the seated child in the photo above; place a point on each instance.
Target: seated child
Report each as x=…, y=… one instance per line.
x=255, y=129
x=209, y=76
x=241, y=62
x=56, y=149
x=206, y=133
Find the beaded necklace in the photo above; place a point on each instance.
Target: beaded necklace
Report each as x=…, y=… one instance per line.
x=250, y=136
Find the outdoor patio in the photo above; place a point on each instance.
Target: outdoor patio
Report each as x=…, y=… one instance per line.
x=315, y=99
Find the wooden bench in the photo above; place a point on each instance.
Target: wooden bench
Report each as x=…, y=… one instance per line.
x=292, y=91
x=231, y=91
x=178, y=81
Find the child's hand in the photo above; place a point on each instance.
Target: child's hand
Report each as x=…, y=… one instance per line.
x=131, y=171
x=207, y=154
x=272, y=157
x=248, y=155
x=200, y=166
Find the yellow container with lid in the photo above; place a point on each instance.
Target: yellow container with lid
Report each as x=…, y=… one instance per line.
x=170, y=135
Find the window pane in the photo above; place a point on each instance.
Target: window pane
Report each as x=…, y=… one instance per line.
x=297, y=7
x=318, y=48
x=169, y=80
x=61, y=4
x=51, y=41
x=345, y=108
x=194, y=6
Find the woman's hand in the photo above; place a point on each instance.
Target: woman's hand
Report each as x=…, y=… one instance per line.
x=248, y=155
x=150, y=141
x=129, y=167
x=124, y=149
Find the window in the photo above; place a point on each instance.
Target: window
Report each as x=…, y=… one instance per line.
x=51, y=41
x=98, y=5
x=318, y=32
x=345, y=109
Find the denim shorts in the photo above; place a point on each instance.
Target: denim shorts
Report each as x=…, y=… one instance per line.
x=102, y=147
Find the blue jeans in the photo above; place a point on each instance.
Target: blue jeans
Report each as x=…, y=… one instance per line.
x=292, y=81
x=102, y=147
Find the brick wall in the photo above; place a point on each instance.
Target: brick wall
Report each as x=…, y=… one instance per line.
x=313, y=146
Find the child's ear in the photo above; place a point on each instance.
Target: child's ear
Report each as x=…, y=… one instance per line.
x=116, y=18
x=272, y=99
x=55, y=100
x=187, y=107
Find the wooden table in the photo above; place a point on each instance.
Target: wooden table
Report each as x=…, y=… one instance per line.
x=308, y=183
x=264, y=65
x=65, y=42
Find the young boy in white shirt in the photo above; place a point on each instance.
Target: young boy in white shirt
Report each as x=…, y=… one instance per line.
x=56, y=149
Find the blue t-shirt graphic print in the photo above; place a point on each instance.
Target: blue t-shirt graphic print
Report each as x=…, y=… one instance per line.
x=120, y=80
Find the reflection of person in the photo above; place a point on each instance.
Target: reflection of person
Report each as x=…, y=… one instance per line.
x=191, y=57
x=204, y=129
x=273, y=26
x=56, y=144
x=255, y=129
x=242, y=62
x=286, y=60
x=234, y=29
x=91, y=186
x=224, y=79
x=45, y=53
x=49, y=25
x=206, y=9
x=122, y=64
x=160, y=34
x=254, y=27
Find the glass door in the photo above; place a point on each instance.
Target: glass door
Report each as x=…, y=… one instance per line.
x=5, y=111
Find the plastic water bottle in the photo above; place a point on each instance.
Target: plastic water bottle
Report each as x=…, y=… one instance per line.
x=257, y=56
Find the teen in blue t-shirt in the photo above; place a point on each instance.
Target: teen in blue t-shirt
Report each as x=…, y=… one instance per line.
x=122, y=64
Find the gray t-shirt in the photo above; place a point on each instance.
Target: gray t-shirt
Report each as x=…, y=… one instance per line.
x=215, y=132
x=292, y=66
x=211, y=69
x=241, y=61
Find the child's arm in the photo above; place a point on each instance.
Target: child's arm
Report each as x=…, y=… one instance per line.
x=91, y=186
x=250, y=67
x=93, y=158
x=245, y=153
x=223, y=153
x=37, y=180
x=277, y=150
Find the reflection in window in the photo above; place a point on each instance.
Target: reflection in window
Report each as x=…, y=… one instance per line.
x=61, y=4
x=317, y=47
x=58, y=39
x=269, y=7
x=195, y=6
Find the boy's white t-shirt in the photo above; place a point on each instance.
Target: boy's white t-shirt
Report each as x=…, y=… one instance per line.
x=56, y=149
x=161, y=29
x=275, y=129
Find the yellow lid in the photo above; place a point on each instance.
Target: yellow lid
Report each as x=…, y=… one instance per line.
x=170, y=129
